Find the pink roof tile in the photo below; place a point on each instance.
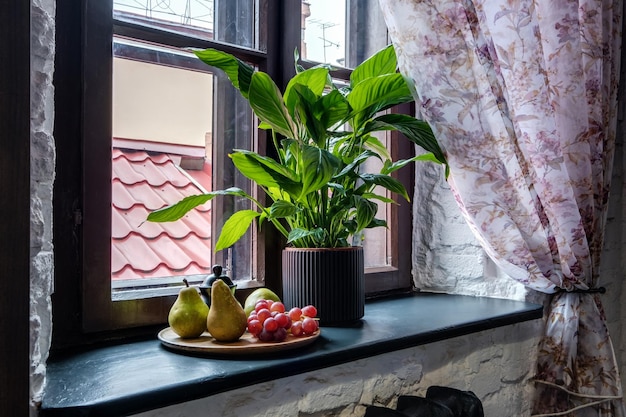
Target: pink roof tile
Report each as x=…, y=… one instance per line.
x=143, y=182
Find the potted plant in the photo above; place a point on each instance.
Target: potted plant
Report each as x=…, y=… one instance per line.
x=318, y=194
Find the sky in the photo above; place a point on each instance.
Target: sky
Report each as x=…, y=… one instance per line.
x=324, y=34
x=325, y=31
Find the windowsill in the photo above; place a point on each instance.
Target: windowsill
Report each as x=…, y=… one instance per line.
x=135, y=377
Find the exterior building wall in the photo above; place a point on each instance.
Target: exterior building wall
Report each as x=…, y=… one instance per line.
x=495, y=364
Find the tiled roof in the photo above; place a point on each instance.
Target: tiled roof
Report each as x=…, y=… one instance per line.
x=143, y=182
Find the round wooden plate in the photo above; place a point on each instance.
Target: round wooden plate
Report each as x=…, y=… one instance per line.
x=247, y=344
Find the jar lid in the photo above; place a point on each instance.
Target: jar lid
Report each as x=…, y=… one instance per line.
x=217, y=274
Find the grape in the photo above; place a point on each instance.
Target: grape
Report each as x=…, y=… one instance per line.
x=270, y=325
x=278, y=307
x=295, y=314
x=261, y=304
x=296, y=328
x=255, y=327
x=263, y=314
x=282, y=319
x=280, y=335
x=309, y=325
x=265, y=336
x=309, y=311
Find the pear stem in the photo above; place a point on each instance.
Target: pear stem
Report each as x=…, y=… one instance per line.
x=186, y=282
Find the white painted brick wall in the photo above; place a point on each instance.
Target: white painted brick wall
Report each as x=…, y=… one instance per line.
x=495, y=364
x=446, y=256
x=42, y=179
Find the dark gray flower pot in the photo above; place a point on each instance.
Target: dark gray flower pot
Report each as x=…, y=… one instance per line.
x=330, y=279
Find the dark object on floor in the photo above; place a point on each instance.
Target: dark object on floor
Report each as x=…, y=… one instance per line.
x=412, y=406
x=439, y=402
x=462, y=403
x=376, y=411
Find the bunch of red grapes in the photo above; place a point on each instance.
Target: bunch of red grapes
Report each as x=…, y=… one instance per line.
x=269, y=322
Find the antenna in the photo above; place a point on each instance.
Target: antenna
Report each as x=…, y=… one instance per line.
x=197, y=13
x=325, y=25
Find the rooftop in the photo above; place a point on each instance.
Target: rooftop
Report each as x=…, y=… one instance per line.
x=145, y=181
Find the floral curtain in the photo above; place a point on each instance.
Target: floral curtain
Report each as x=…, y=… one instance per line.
x=522, y=96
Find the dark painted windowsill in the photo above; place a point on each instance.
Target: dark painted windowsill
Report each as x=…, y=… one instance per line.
x=135, y=377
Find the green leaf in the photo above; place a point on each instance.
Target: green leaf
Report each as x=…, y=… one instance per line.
x=365, y=212
x=417, y=131
x=303, y=111
x=178, y=210
x=281, y=209
x=352, y=166
x=236, y=191
x=383, y=62
x=387, y=182
x=378, y=147
x=375, y=94
x=239, y=73
x=297, y=233
x=388, y=168
x=332, y=109
x=265, y=171
x=235, y=227
x=338, y=188
x=296, y=58
x=314, y=79
x=381, y=198
x=267, y=103
x=318, y=167
x=377, y=223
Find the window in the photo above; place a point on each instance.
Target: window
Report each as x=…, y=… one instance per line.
x=145, y=102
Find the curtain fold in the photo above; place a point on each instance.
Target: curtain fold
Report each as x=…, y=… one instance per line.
x=522, y=96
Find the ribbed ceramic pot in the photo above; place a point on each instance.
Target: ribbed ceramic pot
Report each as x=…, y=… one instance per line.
x=330, y=279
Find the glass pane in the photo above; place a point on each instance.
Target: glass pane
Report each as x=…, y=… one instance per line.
x=342, y=33
x=376, y=241
x=164, y=122
x=232, y=21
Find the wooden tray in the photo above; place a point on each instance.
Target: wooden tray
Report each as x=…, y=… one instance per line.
x=246, y=345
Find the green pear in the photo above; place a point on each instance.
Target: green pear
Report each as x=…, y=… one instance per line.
x=226, y=320
x=256, y=295
x=188, y=315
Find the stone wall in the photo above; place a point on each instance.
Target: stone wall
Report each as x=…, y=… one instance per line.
x=446, y=256
x=494, y=364
x=42, y=179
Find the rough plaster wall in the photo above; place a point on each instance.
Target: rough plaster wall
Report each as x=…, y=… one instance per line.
x=446, y=256
x=42, y=178
x=495, y=364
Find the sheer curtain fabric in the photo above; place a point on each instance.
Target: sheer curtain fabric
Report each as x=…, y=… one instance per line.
x=522, y=96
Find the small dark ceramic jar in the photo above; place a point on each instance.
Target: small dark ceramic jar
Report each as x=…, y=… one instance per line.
x=205, y=288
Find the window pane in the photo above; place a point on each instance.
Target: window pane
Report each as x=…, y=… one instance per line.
x=345, y=33
x=324, y=31
x=376, y=241
x=232, y=21
x=342, y=33
x=163, y=151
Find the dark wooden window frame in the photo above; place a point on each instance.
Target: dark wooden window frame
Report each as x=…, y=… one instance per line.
x=15, y=208
x=82, y=308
